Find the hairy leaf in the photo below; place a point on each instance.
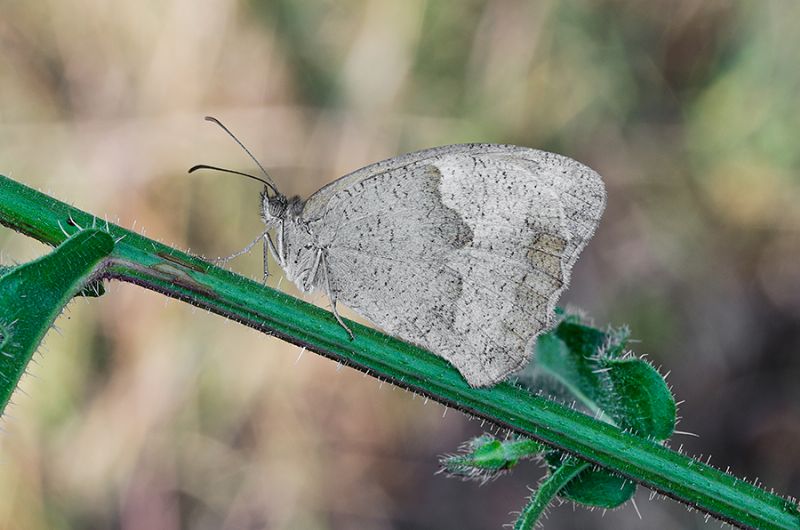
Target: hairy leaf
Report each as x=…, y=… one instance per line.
x=582, y=363
x=33, y=295
x=485, y=458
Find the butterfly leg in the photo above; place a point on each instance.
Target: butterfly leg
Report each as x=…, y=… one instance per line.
x=270, y=248
x=332, y=296
x=245, y=250
x=265, y=255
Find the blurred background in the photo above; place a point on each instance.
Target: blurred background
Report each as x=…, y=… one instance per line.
x=145, y=413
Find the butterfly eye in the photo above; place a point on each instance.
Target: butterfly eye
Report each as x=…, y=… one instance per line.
x=276, y=206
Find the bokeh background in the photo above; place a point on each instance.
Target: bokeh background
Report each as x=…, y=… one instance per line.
x=145, y=413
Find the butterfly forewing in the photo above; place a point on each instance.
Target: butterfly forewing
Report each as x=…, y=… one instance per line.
x=463, y=250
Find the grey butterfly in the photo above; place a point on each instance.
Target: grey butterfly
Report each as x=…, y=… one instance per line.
x=462, y=249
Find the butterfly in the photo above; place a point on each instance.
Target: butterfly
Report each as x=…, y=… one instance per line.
x=463, y=249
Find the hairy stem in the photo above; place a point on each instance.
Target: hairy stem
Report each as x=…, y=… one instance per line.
x=548, y=489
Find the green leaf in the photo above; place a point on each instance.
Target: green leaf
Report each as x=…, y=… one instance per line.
x=485, y=458
x=33, y=295
x=582, y=363
x=593, y=486
x=93, y=289
x=644, y=404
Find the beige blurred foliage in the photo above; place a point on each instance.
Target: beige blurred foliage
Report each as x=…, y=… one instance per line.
x=146, y=413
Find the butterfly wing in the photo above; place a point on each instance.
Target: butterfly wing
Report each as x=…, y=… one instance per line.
x=463, y=250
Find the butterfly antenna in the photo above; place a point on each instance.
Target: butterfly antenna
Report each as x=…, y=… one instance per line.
x=268, y=181
x=233, y=171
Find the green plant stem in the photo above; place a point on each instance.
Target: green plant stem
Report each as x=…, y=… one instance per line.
x=169, y=271
x=547, y=491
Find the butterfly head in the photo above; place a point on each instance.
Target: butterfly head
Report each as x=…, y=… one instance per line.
x=273, y=207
